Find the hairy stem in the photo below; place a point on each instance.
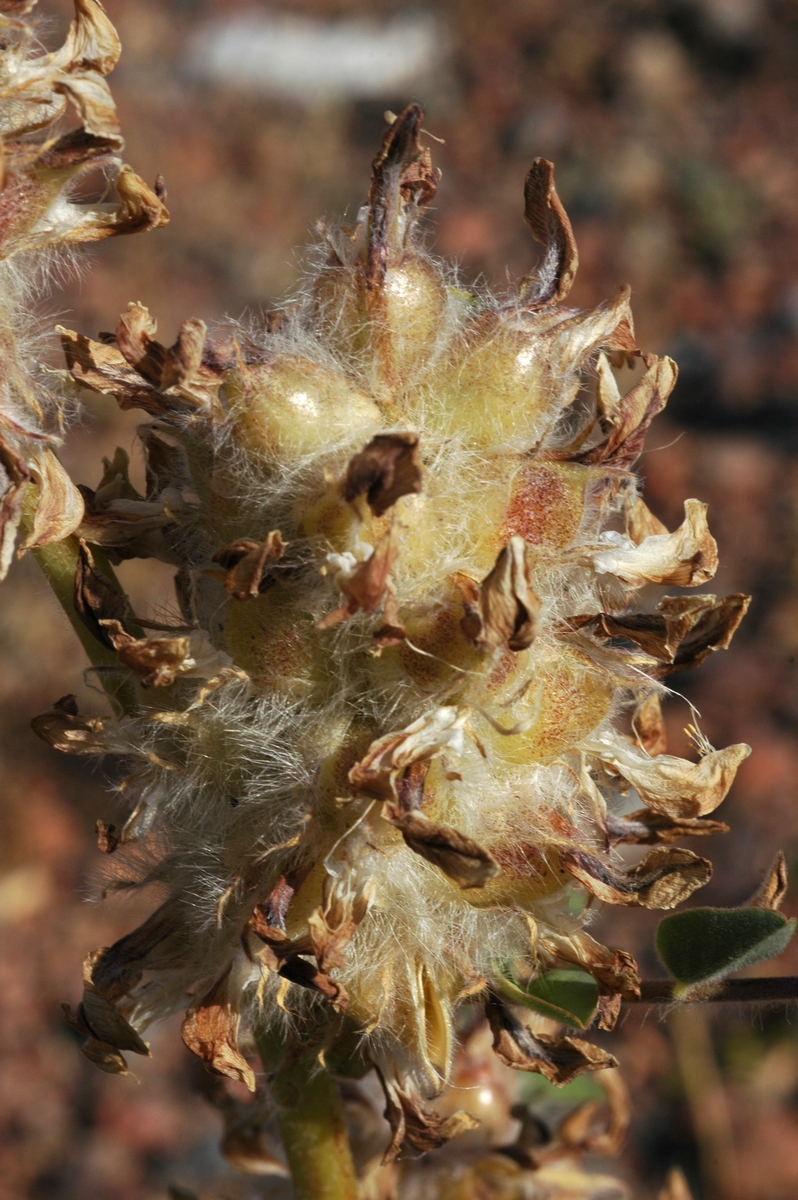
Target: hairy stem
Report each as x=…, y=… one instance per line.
x=774, y=989
x=312, y=1125
x=58, y=562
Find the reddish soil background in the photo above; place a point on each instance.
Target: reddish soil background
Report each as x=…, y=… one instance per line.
x=673, y=126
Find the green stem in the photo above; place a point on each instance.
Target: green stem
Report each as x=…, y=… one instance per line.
x=311, y=1121
x=58, y=562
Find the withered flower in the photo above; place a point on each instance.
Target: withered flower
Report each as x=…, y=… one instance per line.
x=367, y=810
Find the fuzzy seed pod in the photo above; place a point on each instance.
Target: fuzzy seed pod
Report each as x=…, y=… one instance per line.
x=376, y=763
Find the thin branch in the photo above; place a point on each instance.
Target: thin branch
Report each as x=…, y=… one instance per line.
x=775, y=989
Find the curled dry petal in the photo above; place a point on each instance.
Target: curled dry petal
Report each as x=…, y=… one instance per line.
x=59, y=505
x=392, y=631
x=674, y=786
x=395, y=183
x=458, y=856
x=284, y=955
x=389, y=757
x=649, y=727
x=106, y=1029
x=14, y=478
x=163, y=368
x=596, y=1128
x=411, y=1122
x=615, y=971
x=557, y=1059
x=685, y=558
x=97, y=599
x=210, y=1030
x=548, y=220
x=648, y=828
x=387, y=469
x=64, y=729
x=103, y=369
x=625, y=419
x=664, y=878
x=298, y=970
x=504, y=611
x=681, y=632
x=713, y=629
x=245, y=563
x=333, y=925
x=365, y=583
x=152, y=945
x=108, y=837
x=92, y=43
x=641, y=522
x=161, y=660
x=773, y=887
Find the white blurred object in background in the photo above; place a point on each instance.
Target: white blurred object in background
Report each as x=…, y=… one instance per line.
x=307, y=59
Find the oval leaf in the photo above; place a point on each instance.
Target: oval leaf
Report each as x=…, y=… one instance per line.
x=566, y=994
x=704, y=944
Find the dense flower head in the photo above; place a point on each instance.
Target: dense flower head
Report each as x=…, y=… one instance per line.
x=382, y=753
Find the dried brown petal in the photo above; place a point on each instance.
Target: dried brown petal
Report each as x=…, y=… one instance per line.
x=399, y=153
x=306, y=974
x=388, y=757
x=59, y=506
x=97, y=599
x=664, y=878
x=625, y=419
x=64, y=729
x=458, y=856
x=107, y=1023
x=558, y=1059
x=364, y=584
x=139, y=209
x=99, y=1021
x=284, y=955
x=388, y=468
x=392, y=632
x=505, y=611
x=648, y=828
x=773, y=887
x=118, y=969
x=641, y=522
x=210, y=1030
x=713, y=630
x=162, y=367
x=685, y=558
x=614, y=970
x=245, y=563
x=92, y=43
x=166, y=462
x=410, y=1122
x=108, y=837
x=548, y=220
x=161, y=660
x=103, y=369
x=649, y=727
x=674, y=786
x=104, y=1056
x=595, y=1128
x=333, y=925
x=14, y=478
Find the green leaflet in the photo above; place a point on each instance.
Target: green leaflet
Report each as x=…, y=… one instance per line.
x=565, y=994
x=702, y=945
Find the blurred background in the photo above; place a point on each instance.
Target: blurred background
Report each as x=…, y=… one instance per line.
x=673, y=127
